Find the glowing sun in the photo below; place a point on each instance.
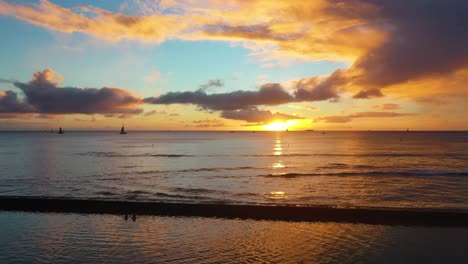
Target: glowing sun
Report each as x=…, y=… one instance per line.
x=277, y=126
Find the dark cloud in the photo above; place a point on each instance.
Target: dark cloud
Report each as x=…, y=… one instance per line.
x=255, y=115
x=427, y=38
x=316, y=89
x=16, y=115
x=271, y=94
x=420, y=39
x=44, y=96
x=212, y=83
x=349, y=118
x=368, y=93
x=268, y=95
x=9, y=103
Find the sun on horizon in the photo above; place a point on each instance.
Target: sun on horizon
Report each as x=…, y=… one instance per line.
x=277, y=126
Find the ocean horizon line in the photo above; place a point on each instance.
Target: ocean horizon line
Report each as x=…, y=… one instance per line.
x=249, y=131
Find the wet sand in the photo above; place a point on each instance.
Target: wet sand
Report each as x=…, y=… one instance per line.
x=379, y=216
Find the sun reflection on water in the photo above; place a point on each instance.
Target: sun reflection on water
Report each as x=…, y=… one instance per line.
x=277, y=148
x=278, y=195
x=278, y=165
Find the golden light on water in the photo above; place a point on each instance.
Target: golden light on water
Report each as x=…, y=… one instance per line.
x=279, y=125
x=277, y=195
x=277, y=148
x=278, y=165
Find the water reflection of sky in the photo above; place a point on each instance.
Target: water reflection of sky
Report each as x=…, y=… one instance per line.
x=337, y=168
x=67, y=238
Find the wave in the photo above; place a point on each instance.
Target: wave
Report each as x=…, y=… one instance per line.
x=117, y=155
x=140, y=194
x=218, y=169
x=105, y=193
x=179, y=196
x=197, y=191
x=373, y=173
x=145, y=172
x=453, y=155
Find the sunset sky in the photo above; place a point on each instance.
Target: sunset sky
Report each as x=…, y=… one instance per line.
x=234, y=65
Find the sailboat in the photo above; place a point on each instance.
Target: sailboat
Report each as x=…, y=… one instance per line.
x=61, y=131
x=122, y=131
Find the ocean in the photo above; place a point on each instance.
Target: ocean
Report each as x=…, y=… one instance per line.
x=427, y=170
x=375, y=169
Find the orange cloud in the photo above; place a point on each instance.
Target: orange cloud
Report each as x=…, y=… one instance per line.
x=315, y=29
x=412, y=49
x=349, y=118
x=98, y=22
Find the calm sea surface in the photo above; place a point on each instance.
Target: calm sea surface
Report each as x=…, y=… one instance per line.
x=72, y=238
x=380, y=169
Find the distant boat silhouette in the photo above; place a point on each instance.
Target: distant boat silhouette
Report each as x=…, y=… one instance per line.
x=61, y=131
x=122, y=131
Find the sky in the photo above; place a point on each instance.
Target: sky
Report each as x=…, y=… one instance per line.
x=234, y=65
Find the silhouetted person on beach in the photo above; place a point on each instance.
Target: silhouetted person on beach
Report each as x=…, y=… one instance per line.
x=126, y=217
x=134, y=218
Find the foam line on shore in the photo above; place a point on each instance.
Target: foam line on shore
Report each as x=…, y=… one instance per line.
x=380, y=216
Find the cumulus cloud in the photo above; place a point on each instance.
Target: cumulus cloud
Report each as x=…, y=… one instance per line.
x=9, y=103
x=254, y=115
x=386, y=42
x=349, y=118
x=269, y=94
x=368, y=93
x=317, y=89
x=211, y=83
x=42, y=95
